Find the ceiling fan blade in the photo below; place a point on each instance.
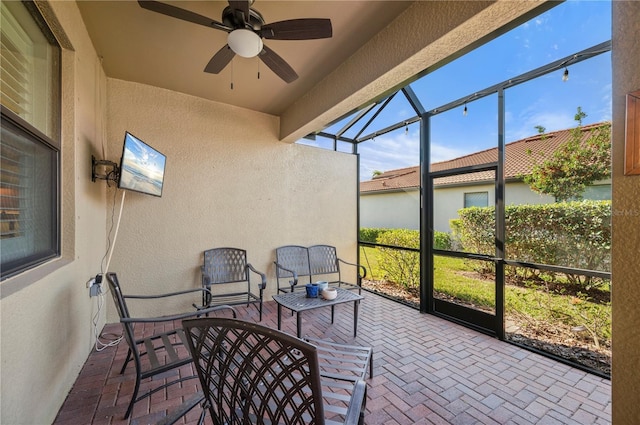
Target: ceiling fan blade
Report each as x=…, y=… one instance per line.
x=183, y=14
x=277, y=65
x=220, y=60
x=298, y=29
x=243, y=6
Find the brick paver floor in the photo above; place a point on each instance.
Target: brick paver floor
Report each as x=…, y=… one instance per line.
x=426, y=371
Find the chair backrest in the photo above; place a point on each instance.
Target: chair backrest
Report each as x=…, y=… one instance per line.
x=254, y=374
x=323, y=259
x=121, y=306
x=293, y=257
x=226, y=265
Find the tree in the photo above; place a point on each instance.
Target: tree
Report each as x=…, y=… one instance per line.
x=586, y=158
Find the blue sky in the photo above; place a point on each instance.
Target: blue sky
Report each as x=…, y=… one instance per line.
x=546, y=101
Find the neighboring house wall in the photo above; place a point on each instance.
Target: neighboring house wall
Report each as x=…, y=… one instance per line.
x=448, y=200
x=401, y=210
x=391, y=210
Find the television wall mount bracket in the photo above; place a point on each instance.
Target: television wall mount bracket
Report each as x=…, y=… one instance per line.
x=101, y=169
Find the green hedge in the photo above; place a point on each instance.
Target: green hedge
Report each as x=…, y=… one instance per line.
x=400, y=266
x=572, y=234
x=370, y=234
x=442, y=240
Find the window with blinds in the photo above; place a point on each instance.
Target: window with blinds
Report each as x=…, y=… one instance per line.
x=29, y=148
x=476, y=199
x=15, y=65
x=10, y=158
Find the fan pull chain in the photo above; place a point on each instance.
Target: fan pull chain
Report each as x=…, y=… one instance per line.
x=258, y=69
x=231, y=74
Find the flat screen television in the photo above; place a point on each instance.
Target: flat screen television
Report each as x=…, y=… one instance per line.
x=141, y=167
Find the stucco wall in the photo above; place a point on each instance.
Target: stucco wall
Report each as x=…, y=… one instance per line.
x=626, y=222
x=393, y=210
x=402, y=209
x=448, y=200
x=228, y=182
x=46, y=313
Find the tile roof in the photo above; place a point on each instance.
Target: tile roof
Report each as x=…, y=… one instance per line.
x=518, y=162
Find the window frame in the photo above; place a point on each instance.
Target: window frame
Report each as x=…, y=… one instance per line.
x=21, y=127
x=52, y=143
x=464, y=198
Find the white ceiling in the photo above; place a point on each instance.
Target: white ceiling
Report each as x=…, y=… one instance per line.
x=139, y=45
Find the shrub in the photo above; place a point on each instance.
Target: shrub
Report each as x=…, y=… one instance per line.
x=400, y=266
x=442, y=240
x=370, y=234
x=572, y=234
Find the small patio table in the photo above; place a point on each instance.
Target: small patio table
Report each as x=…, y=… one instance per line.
x=298, y=302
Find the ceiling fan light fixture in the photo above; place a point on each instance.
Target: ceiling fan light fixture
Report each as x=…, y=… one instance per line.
x=245, y=43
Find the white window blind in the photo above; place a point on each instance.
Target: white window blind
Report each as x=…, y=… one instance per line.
x=16, y=61
x=476, y=199
x=10, y=188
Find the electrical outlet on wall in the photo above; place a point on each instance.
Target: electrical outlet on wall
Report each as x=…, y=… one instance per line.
x=94, y=285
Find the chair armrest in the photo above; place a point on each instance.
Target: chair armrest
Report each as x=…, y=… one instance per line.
x=204, y=291
x=172, y=317
x=169, y=294
x=263, y=277
x=357, y=404
x=293, y=282
x=206, y=279
x=360, y=268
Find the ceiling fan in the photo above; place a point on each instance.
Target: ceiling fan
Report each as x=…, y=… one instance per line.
x=246, y=29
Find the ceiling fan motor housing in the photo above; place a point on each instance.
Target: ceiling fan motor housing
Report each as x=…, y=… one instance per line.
x=233, y=18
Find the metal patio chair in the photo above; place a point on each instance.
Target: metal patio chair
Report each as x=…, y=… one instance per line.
x=292, y=263
x=159, y=352
x=324, y=260
x=250, y=373
x=228, y=267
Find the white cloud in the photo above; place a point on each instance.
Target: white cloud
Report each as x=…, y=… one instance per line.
x=441, y=153
x=399, y=150
x=389, y=152
x=550, y=120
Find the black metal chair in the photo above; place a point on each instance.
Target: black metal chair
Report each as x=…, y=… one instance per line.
x=324, y=261
x=343, y=361
x=229, y=266
x=160, y=352
x=315, y=262
x=250, y=373
x=292, y=263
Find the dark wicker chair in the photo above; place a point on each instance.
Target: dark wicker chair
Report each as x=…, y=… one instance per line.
x=160, y=352
x=250, y=373
x=229, y=267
